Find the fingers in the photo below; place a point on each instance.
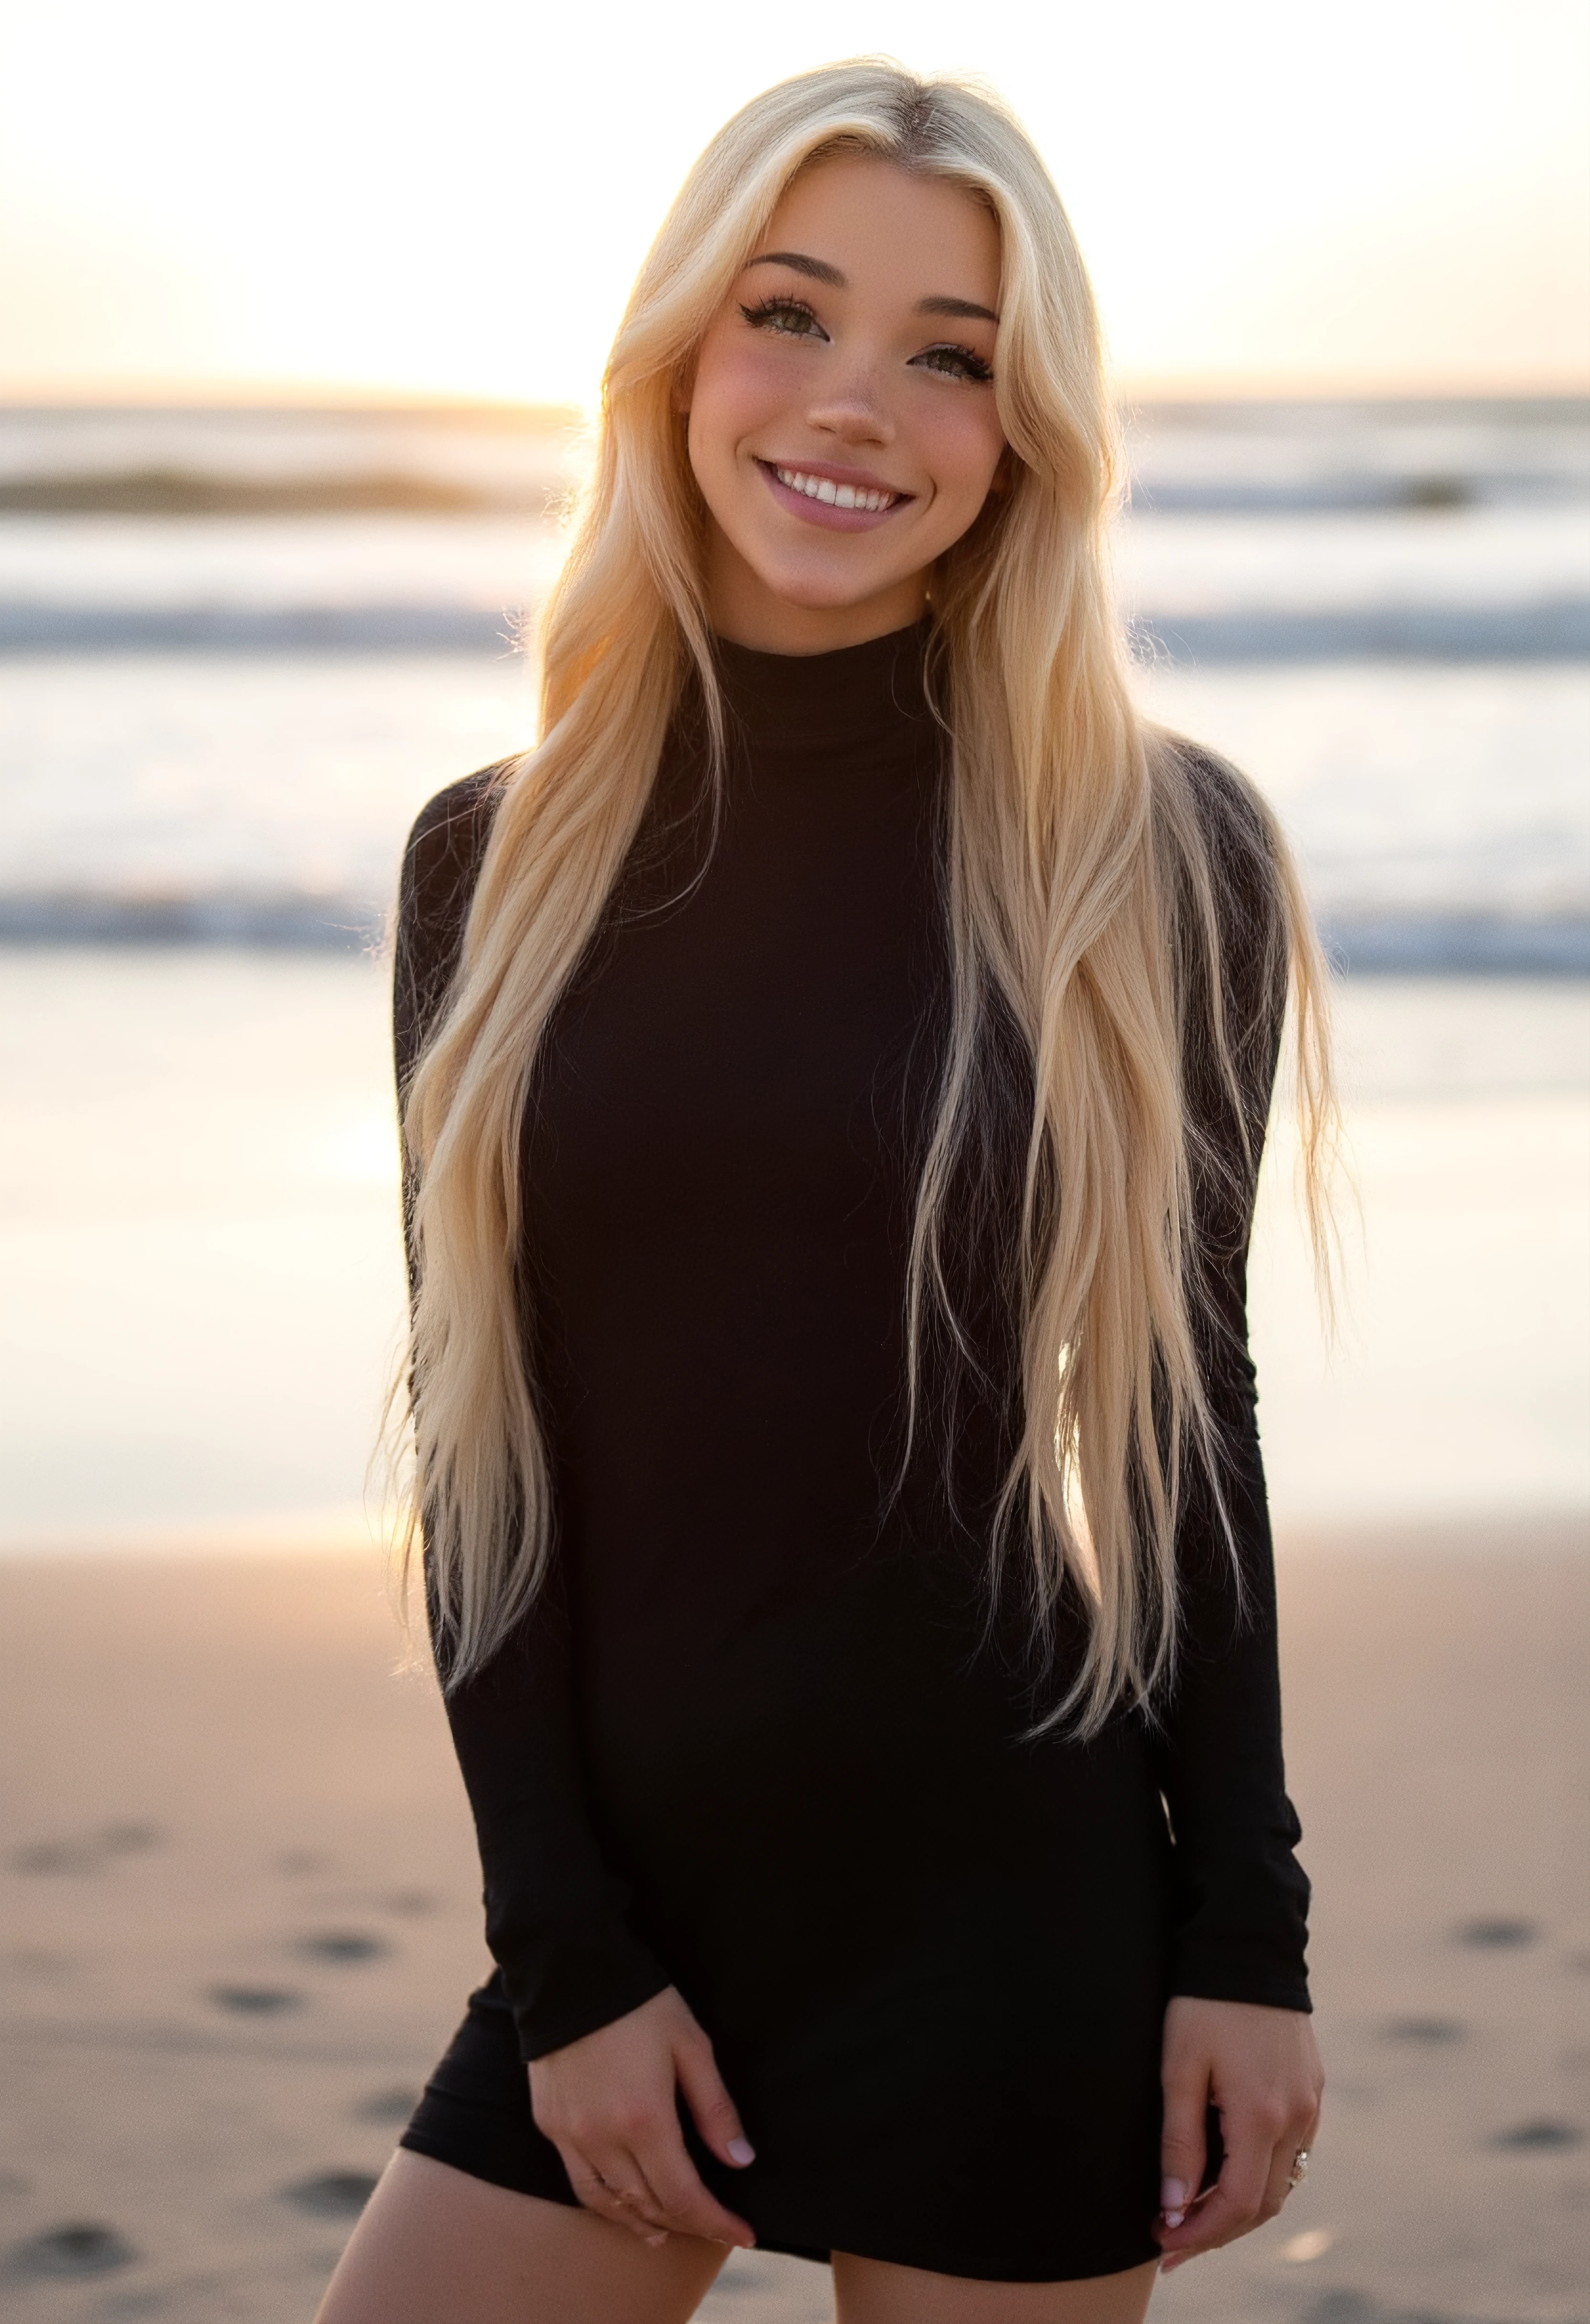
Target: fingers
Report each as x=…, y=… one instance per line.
x=1278, y=2185
x=1261, y=2068
x=610, y=2202
x=609, y=2102
x=1252, y=2187
x=683, y=2204
x=1183, y=2150
x=1233, y=2204
x=648, y=2183
x=711, y=2109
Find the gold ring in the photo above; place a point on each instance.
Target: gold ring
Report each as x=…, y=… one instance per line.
x=1299, y=2168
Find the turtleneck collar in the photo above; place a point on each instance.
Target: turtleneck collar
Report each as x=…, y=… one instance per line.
x=869, y=699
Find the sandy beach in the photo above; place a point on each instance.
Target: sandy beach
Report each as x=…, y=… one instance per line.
x=241, y=1917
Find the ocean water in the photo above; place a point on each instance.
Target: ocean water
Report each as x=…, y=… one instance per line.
x=222, y=723
x=237, y=652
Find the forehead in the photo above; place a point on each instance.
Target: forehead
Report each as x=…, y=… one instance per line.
x=878, y=222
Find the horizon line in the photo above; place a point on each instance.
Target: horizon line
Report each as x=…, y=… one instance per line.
x=178, y=393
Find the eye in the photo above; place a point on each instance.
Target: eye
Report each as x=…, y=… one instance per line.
x=789, y=318
x=955, y=363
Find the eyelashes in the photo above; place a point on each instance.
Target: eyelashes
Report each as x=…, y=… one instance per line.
x=966, y=364
x=791, y=319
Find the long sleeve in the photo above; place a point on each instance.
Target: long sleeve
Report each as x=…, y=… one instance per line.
x=555, y=1911
x=1242, y=1897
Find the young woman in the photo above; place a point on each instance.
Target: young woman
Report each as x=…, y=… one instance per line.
x=835, y=1062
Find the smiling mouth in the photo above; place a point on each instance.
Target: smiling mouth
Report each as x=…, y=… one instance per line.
x=867, y=498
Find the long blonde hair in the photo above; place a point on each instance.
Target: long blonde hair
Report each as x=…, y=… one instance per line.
x=1083, y=897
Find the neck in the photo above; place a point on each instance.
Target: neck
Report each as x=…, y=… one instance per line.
x=746, y=612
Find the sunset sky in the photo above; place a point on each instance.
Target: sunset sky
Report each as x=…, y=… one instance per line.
x=326, y=194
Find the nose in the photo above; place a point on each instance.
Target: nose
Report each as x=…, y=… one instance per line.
x=853, y=409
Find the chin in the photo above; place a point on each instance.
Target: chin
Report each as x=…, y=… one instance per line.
x=822, y=592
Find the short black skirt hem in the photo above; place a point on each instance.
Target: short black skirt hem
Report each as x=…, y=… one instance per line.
x=476, y=2117
x=481, y=2142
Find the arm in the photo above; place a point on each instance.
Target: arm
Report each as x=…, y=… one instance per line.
x=1242, y=1897
x=1237, y=2033
x=554, y=1913
x=607, y=2037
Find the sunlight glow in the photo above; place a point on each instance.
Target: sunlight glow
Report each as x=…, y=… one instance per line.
x=422, y=201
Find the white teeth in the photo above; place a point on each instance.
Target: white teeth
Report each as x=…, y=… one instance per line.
x=822, y=488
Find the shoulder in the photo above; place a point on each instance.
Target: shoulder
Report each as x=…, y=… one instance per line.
x=1234, y=937
x=441, y=865
x=1235, y=829
x=1224, y=847
x=448, y=836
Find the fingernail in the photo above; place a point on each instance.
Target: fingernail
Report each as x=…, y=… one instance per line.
x=656, y=2242
x=740, y=2151
x=1173, y=2193
x=1179, y=2260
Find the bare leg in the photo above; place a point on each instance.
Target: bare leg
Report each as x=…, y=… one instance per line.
x=435, y=2247
x=871, y=2291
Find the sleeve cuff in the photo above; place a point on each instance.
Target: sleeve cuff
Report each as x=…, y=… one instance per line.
x=1248, y=1973
x=574, y=1986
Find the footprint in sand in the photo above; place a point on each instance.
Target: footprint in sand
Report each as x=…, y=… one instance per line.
x=37, y=1961
x=1499, y=1934
x=386, y=2106
x=343, y=1946
x=55, y=1856
x=1543, y=2135
x=332, y=2194
x=255, y=2000
x=129, y=1839
x=89, y=1852
x=81, y=2248
x=1430, y=2033
x=299, y=1862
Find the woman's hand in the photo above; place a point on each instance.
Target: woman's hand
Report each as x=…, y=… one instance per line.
x=1260, y=2069
x=607, y=2102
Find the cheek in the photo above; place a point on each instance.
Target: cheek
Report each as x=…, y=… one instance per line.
x=965, y=454
x=737, y=385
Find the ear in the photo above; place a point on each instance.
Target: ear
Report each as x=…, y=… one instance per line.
x=683, y=388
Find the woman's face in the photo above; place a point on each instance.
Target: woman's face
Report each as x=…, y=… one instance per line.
x=842, y=419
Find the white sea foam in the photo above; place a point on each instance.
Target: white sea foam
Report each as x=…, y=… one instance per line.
x=218, y=727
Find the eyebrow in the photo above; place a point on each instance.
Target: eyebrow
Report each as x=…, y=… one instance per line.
x=818, y=270
x=962, y=307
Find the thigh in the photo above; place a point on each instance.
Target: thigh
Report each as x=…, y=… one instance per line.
x=436, y=2246
x=871, y=2291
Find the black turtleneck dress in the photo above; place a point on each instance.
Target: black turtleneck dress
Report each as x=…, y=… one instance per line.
x=767, y=1736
